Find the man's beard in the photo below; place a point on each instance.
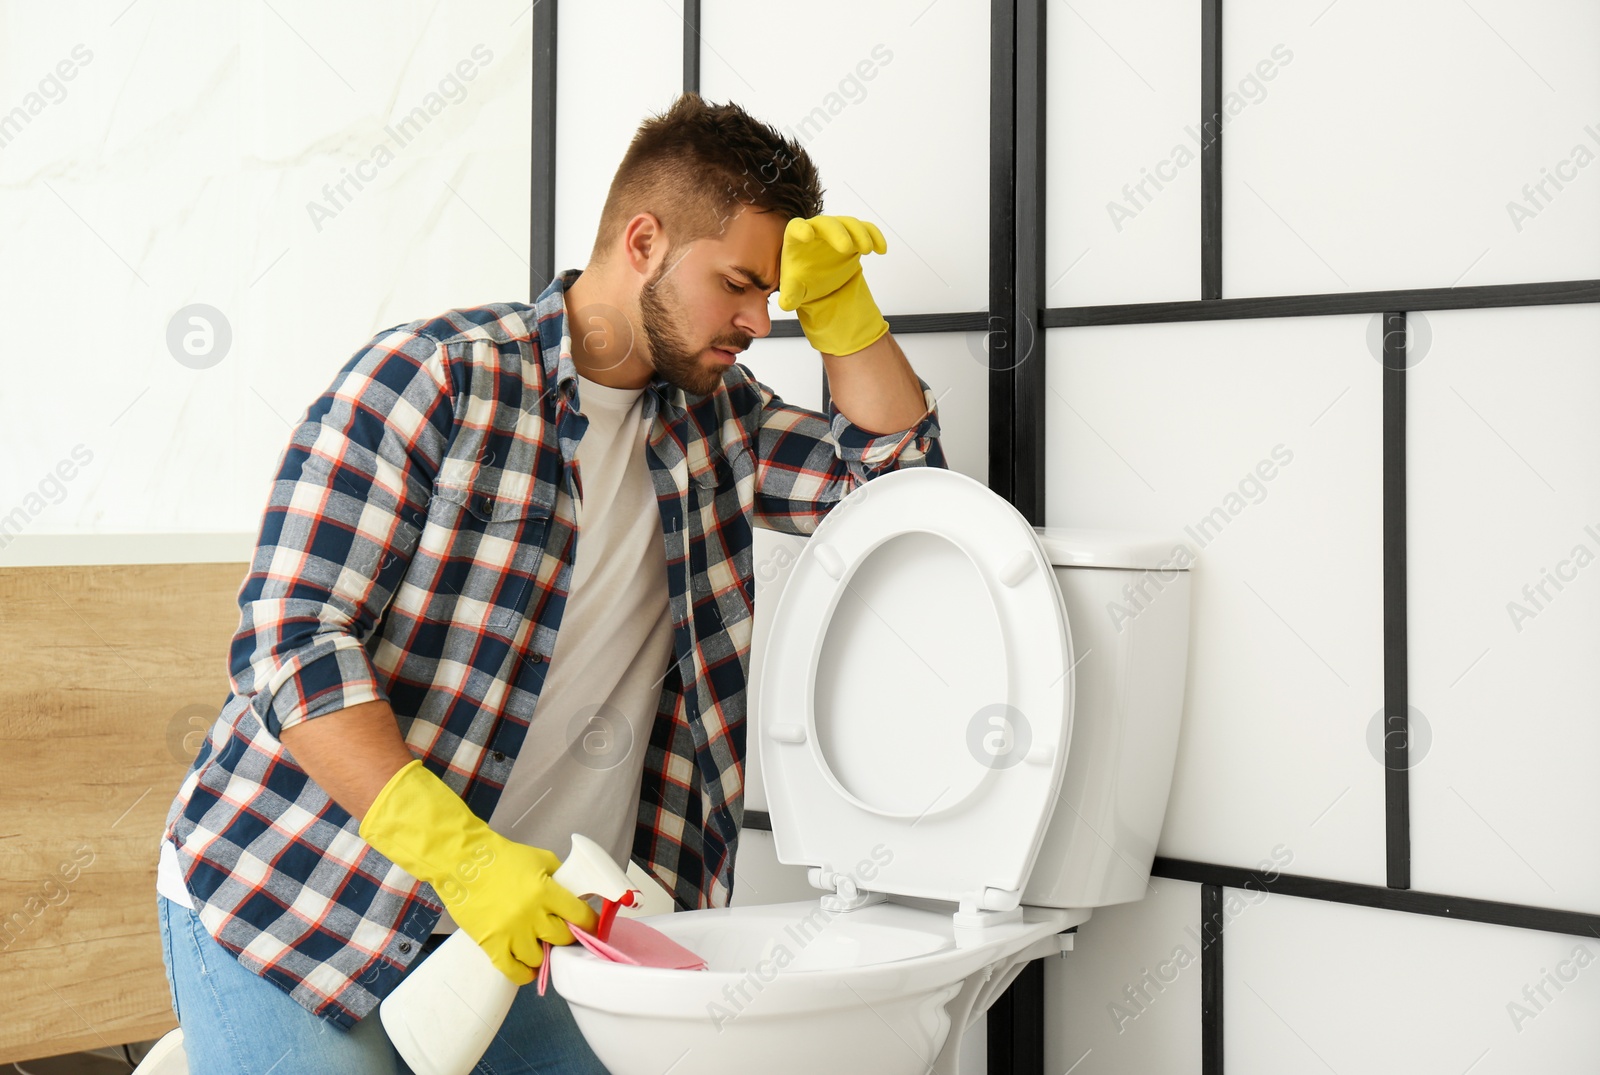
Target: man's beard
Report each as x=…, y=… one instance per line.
x=671, y=356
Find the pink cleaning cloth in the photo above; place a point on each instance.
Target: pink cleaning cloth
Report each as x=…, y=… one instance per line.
x=632, y=942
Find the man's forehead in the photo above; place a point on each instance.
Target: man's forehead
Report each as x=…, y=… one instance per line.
x=757, y=277
x=752, y=247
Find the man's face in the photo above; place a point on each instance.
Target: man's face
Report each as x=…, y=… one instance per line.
x=712, y=295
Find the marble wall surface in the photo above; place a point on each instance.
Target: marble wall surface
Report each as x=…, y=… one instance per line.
x=205, y=209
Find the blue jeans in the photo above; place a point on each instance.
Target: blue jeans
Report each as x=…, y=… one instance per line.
x=238, y=1023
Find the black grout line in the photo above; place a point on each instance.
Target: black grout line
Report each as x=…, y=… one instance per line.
x=1016, y=1019
x=1211, y=922
x=1210, y=149
x=1002, y=240
x=900, y=324
x=1381, y=897
x=1023, y=358
x=1396, y=645
x=1479, y=297
x=691, y=46
x=1016, y=1024
x=542, y=201
x=1212, y=992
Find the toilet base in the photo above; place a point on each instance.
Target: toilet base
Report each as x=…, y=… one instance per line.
x=978, y=994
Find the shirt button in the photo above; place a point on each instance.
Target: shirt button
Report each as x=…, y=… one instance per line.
x=499, y=756
x=488, y=503
x=405, y=946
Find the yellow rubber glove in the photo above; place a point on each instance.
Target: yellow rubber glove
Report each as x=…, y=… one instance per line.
x=820, y=277
x=498, y=890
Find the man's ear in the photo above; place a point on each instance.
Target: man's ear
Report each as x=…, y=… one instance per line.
x=642, y=238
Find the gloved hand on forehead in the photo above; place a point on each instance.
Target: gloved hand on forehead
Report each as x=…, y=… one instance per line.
x=820, y=278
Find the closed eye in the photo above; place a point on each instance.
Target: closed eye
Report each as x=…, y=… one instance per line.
x=737, y=290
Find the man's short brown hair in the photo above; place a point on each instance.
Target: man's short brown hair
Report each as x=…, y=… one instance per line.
x=695, y=164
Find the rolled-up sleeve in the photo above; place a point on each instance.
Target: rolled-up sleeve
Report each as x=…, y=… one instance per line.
x=807, y=460
x=342, y=521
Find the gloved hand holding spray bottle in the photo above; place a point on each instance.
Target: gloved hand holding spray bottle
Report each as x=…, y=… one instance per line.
x=508, y=899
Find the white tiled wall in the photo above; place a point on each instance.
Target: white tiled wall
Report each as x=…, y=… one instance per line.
x=1122, y=152
x=1256, y=444
x=615, y=65
x=1313, y=987
x=1387, y=152
x=1127, y=997
x=1504, y=514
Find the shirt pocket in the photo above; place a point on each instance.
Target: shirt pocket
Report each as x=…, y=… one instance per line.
x=718, y=470
x=487, y=549
x=724, y=594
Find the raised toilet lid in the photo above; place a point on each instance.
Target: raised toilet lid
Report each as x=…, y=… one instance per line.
x=916, y=692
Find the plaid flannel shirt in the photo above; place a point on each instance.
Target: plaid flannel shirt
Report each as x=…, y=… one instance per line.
x=413, y=550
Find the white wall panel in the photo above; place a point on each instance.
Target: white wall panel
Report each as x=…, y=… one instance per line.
x=1392, y=147
x=760, y=878
x=313, y=173
x=1503, y=501
x=1315, y=987
x=1126, y=999
x=617, y=63
x=789, y=367
x=891, y=100
x=1163, y=426
x=1122, y=154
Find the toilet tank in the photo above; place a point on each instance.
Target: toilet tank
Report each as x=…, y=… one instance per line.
x=1127, y=602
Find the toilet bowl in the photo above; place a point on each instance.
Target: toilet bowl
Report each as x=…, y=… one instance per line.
x=966, y=727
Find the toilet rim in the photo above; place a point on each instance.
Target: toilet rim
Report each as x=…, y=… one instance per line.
x=585, y=979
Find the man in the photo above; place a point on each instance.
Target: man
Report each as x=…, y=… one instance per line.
x=502, y=593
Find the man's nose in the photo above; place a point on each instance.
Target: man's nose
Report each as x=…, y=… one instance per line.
x=754, y=319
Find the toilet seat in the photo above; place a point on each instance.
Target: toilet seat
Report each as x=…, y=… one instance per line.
x=924, y=600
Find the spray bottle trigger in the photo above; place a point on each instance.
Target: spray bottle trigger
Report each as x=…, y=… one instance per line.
x=608, y=912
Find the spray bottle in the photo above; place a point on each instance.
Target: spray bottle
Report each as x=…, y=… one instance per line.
x=444, y=1014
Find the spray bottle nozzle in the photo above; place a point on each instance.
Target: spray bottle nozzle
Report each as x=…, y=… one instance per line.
x=589, y=871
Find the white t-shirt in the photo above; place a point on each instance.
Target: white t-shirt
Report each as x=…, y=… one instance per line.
x=582, y=760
